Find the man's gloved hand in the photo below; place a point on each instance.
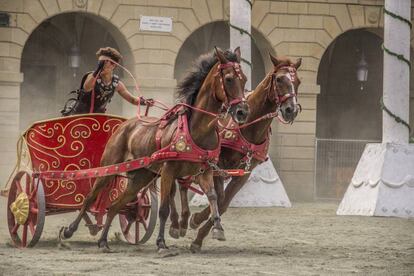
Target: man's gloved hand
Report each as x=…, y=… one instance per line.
x=149, y=101
x=101, y=64
x=143, y=101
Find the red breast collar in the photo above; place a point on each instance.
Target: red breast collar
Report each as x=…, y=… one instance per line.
x=182, y=146
x=234, y=140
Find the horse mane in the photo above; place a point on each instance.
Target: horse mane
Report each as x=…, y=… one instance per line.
x=188, y=88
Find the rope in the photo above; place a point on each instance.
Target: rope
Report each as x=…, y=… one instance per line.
x=396, y=118
x=399, y=56
x=247, y=62
x=19, y=151
x=403, y=59
x=396, y=16
x=160, y=105
x=242, y=31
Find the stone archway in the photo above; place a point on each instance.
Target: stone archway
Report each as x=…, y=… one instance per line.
x=347, y=117
x=45, y=62
x=217, y=34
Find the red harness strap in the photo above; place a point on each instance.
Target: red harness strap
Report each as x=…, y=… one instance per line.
x=233, y=139
x=164, y=120
x=182, y=147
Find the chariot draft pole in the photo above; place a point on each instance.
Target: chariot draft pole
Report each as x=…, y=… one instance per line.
x=383, y=182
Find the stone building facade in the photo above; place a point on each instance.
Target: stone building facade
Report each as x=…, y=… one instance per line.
x=301, y=28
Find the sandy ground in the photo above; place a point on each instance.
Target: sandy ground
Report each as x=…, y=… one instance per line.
x=307, y=239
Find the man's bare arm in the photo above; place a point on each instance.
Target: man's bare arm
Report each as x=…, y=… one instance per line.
x=123, y=91
x=89, y=83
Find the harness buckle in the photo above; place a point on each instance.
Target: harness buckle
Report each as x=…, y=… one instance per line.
x=247, y=161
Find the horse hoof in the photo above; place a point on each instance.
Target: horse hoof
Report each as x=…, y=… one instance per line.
x=218, y=234
x=94, y=229
x=174, y=233
x=183, y=232
x=193, y=225
x=195, y=248
x=161, y=245
x=103, y=246
x=61, y=238
x=64, y=233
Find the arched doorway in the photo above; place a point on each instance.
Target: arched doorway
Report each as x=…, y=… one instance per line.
x=48, y=75
x=217, y=34
x=348, y=111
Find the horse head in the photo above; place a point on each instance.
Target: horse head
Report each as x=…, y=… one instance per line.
x=229, y=85
x=283, y=88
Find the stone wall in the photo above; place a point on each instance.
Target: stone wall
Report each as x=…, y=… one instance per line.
x=294, y=28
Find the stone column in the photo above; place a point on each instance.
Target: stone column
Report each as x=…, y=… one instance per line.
x=240, y=30
x=383, y=182
x=396, y=73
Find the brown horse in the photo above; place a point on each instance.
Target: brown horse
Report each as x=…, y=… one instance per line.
x=215, y=80
x=277, y=92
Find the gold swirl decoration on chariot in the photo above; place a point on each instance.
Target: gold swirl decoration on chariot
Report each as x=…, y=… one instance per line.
x=20, y=208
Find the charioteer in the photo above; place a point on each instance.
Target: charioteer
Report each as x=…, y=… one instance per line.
x=98, y=87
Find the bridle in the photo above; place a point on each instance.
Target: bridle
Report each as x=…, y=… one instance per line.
x=274, y=91
x=227, y=104
x=277, y=99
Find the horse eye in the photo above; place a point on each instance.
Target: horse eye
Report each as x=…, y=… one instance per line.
x=279, y=80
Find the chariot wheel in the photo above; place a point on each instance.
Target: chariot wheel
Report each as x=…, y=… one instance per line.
x=139, y=219
x=26, y=210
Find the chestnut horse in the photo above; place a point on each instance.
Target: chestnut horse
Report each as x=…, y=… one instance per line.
x=277, y=92
x=215, y=81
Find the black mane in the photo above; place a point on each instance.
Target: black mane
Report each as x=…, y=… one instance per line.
x=187, y=89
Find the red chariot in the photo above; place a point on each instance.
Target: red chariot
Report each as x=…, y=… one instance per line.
x=58, y=161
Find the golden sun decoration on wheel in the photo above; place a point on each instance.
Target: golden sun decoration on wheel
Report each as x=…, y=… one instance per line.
x=20, y=208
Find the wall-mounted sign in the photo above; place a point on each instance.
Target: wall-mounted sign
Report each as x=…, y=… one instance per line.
x=155, y=24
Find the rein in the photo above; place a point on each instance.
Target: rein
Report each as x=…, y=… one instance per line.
x=227, y=104
x=160, y=105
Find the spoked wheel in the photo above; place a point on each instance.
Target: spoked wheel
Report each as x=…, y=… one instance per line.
x=26, y=210
x=139, y=219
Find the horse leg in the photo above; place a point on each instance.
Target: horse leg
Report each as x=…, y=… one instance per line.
x=199, y=217
x=167, y=180
x=100, y=183
x=139, y=181
x=207, y=185
x=185, y=211
x=174, y=227
x=231, y=190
